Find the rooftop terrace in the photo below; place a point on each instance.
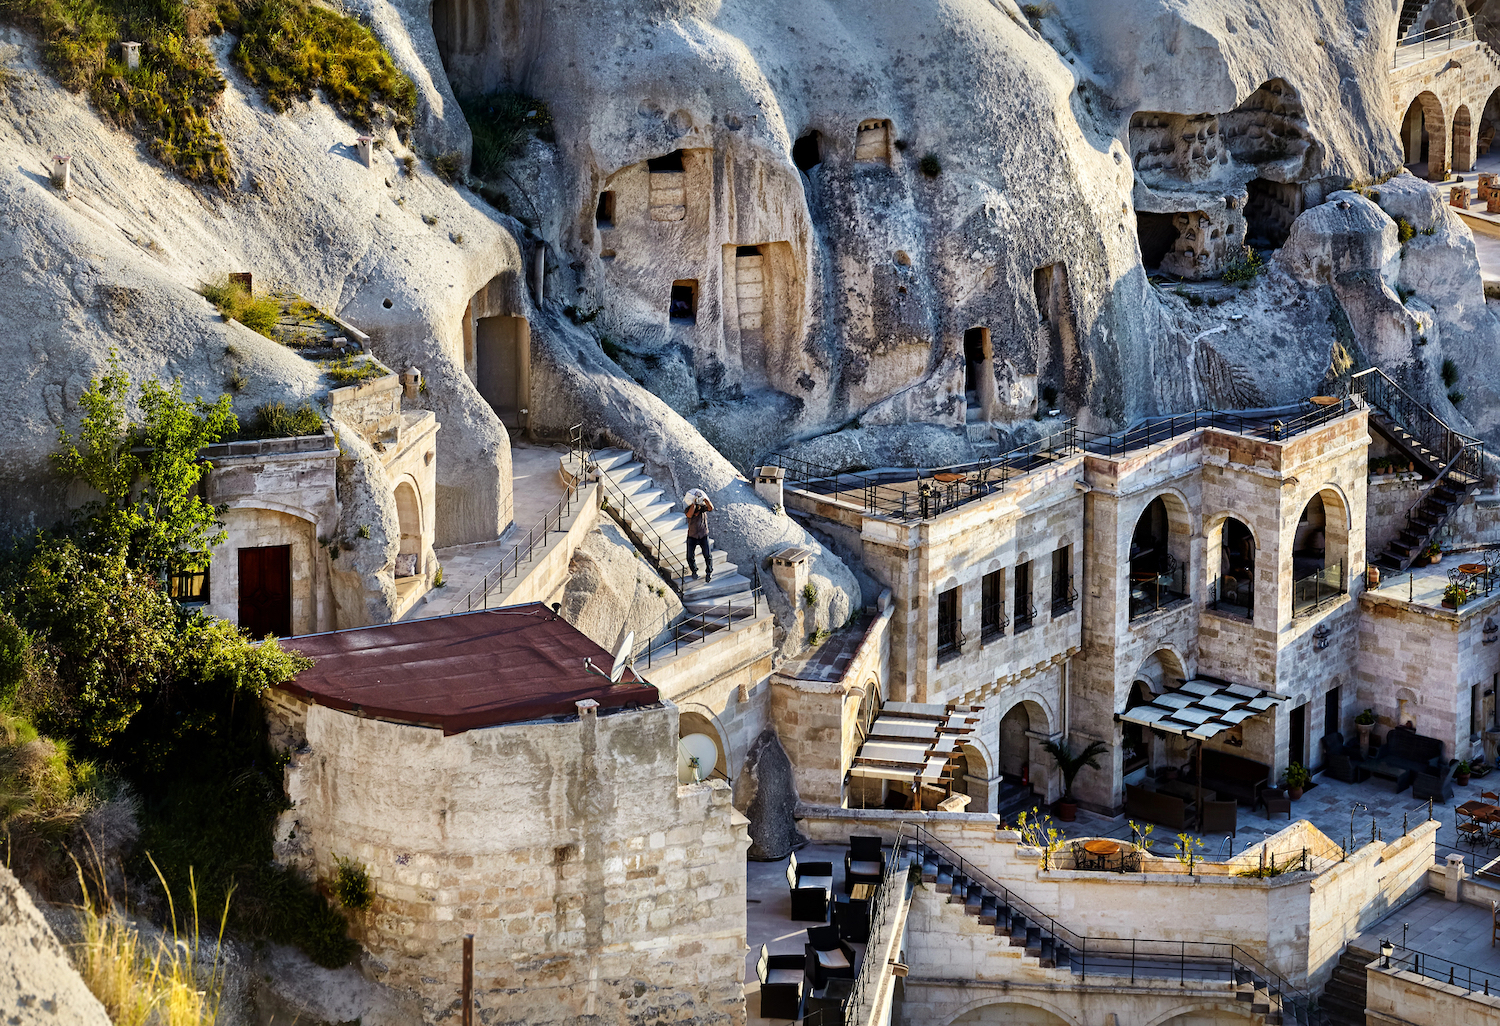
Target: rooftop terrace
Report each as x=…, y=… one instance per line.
x=912, y=494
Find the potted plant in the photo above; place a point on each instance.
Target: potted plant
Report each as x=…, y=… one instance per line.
x=1434, y=553
x=1454, y=596
x=1297, y=779
x=1070, y=765
x=1461, y=775
x=1364, y=723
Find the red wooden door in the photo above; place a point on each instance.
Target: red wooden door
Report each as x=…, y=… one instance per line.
x=266, y=590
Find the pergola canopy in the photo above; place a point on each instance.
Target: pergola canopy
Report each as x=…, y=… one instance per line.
x=913, y=742
x=1203, y=709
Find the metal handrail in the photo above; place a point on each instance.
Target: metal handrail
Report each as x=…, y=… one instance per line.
x=1150, y=958
x=882, y=907
x=536, y=536
x=699, y=624
x=1434, y=968
x=932, y=498
x=1319, y=588
x=633, y=521
x=1428, y=39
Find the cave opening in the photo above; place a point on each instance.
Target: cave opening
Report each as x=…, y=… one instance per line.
x=807, y=152
x=1269, y=212
x=1157, y=234
x=668, y=162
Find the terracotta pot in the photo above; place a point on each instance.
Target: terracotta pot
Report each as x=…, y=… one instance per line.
x=1067, y=811
x=1168, y=773
x=1461, y=779
x=1449, y=604
x=1294, y=793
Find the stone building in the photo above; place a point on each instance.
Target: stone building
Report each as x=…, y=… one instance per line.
x=491, y=784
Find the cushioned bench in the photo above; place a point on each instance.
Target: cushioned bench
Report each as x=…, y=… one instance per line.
x=1403, y=755
x=1232, y=776
x=1155, y=807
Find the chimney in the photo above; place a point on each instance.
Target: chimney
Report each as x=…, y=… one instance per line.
x=62, y=171
x=768, y=482
x=366, y=144
x=132, y=54
x=411, y=381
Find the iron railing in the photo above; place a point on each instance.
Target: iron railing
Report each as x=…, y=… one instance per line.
x=1133, y=957
x=1380, y=390
x=633, y=521
x=1319, y=588
x=1454, y=974
x=1025, y=614
x=697, y=627
x=1237, y=597
x=931, y=492
x=992, y=618
x=1153, y=590
x=1433, y=41
x=1063, y=594
x=536, y=537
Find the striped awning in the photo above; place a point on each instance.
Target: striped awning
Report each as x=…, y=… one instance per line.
x=913, y=742
x=1202, y=709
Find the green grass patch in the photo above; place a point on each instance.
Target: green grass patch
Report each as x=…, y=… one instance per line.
x=287, y=47
x=274, y=420
x=501, y=123
x=233, y=299
x=351, y=370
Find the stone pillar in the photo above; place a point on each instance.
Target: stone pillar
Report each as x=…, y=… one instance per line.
x=1453, y=879
x=789, y=570
x=768, y=484
x=62, y=171
x=132, y=55
x=411, y=382
x=366, y=147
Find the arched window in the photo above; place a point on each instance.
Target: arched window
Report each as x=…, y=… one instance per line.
x=1233, y=589
x=1158, y=556
x=1320, y=552
x=409, y=514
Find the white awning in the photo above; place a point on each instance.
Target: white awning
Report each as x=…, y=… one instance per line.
x=1202, y=709
x=913, y=742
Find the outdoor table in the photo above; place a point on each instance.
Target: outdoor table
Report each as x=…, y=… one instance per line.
x=1476, y=809
x=1101, y=847
x=1186, y=790
x=948, y=478
x=1473, y=568
x=862, y=892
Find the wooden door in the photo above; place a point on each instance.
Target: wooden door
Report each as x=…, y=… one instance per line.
x=266, y=590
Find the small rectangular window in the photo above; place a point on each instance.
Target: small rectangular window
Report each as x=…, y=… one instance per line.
x=684, y=304
x=992, y=607
x=670, y=162
x=948, y=622
x=1476, y=710
x=605, y=214
x=1063, y=595
x=1021, y=602
x=187, y=586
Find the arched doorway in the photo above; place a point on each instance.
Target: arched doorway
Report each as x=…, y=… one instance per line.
x=1320, y=552
x=1158, y=556
x=1234, y=588
x=1015, y=746
x=1424, y=136
x=979, y=371
x=1463, y=140
x=1011, y=1013
x=409, y=515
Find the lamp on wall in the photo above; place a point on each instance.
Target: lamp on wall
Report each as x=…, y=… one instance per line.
x=1386, y=947
x=1491, y=630
x=1321, y=635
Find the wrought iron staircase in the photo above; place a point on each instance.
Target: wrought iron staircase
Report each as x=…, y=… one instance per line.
x=1453, y=460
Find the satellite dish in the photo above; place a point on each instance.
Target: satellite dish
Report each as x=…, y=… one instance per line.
x=700, y=748
x=623, y=657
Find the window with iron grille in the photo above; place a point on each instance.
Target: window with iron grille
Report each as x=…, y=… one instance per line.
x=992, y=606
x=948, y=622
x=1025, y=611
x=1063, y=595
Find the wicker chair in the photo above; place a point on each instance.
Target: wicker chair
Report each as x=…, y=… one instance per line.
x=783, y=982
x=812, y=888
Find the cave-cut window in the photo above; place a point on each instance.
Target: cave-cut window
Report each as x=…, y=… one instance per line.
x=1269, y=212
x=746, y=251
x=668, y=163
x=1041, y=285
x=604, y=214
x=807, y=152
x=683, y=307
x=1157, y=234
x=873, y=141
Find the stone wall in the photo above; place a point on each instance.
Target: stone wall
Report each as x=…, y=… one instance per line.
x=1390, y=497
x=1394, y=997
x=594, y=885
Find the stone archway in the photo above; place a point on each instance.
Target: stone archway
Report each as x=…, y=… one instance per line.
x=1011, y=1013
x=409, y=517
x=1463, y=140
x=1424, y=135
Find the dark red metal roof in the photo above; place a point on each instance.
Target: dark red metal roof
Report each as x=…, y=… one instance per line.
x=464, y=671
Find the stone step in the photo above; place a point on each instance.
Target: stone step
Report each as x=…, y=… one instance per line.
x=622, y=472
x=608, y=459
x=722, y=586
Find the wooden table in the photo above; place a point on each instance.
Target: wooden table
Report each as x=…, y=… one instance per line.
x=948, y=478
x=1100, y=846
x=1473, y=568
x=1476, y=809
x=862, y=892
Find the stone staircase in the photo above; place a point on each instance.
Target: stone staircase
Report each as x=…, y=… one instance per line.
x=655, y=523
x=983, y=904
x=1411, y=10
x=1343, y=1000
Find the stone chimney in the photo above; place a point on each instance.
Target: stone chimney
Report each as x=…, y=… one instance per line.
x=768, y=484
x=789, y=570
x=411, y=382
x=62, y=171
x=366, y=145
x=132, y=55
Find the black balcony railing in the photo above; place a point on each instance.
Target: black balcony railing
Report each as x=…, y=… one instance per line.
x=1151, y=590
x=1025, y=615
x=1063, y=595
x=993, y=618
x=1318, y=589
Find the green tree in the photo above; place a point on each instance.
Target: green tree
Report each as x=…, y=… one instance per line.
x=147, y=473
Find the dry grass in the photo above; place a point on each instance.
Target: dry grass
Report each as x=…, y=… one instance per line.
x=148, y=980
x=258, y=313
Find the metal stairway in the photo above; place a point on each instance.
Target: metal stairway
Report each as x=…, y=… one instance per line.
x=1455, y=461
